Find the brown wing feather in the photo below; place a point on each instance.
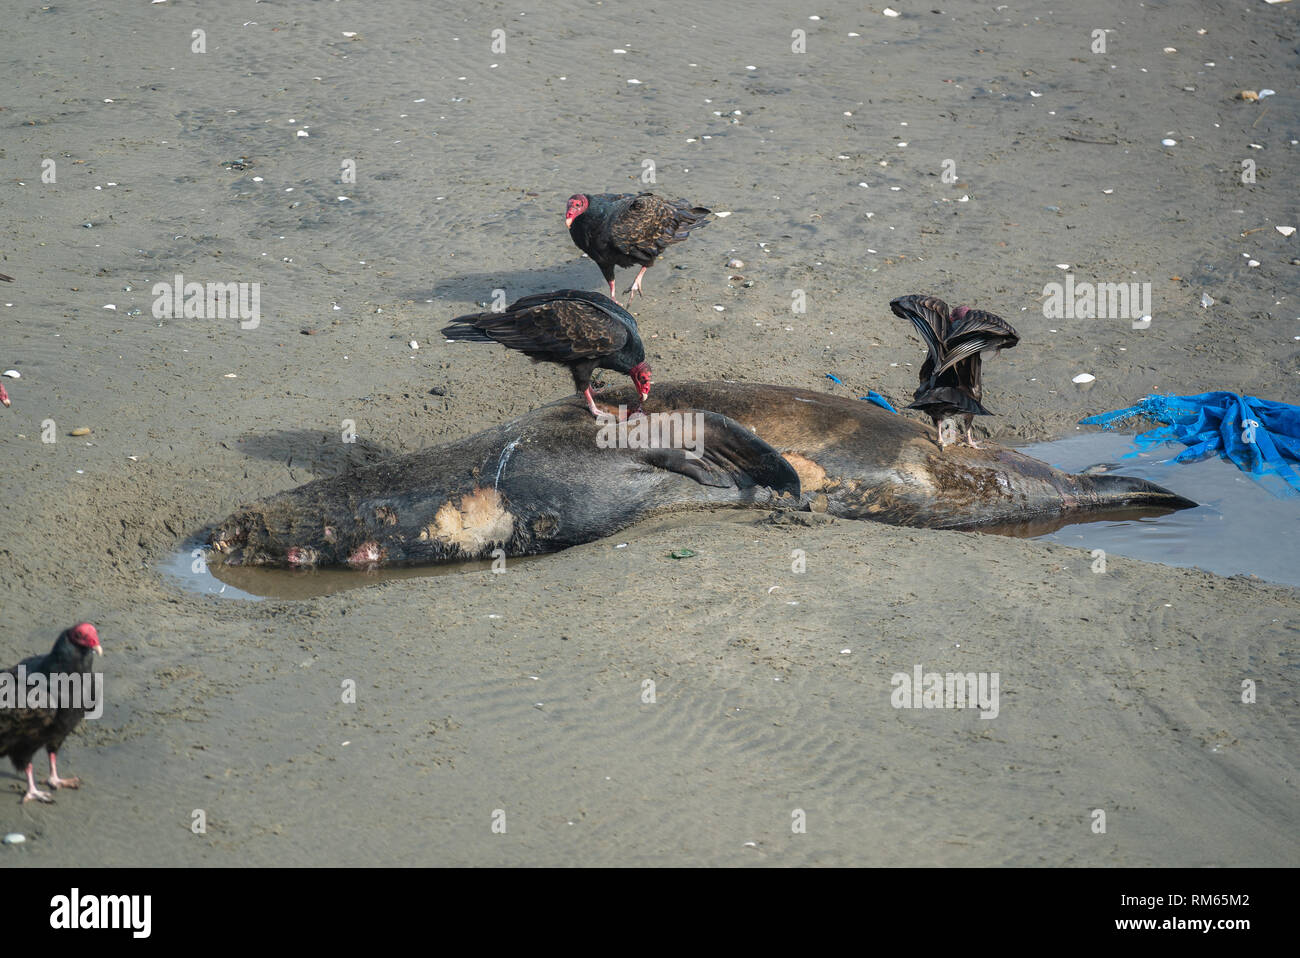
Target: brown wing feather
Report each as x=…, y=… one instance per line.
x=23, y=731
x=560, y=330
x=975, y=332
x=651, y=223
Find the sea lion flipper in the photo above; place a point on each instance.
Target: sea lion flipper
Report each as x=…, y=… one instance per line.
x=726, y=455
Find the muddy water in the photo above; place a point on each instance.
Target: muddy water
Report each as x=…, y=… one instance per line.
x=1239, y=528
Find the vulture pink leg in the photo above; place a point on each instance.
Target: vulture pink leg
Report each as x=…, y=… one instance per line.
x=32, y=791
x=636, y=286
x=56, y=782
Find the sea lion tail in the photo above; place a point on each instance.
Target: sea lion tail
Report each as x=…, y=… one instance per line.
x=1107, y=490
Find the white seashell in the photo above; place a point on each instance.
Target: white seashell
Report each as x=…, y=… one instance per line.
x=15, y=838
x=1062, y=265
x=413, y=344
x=634, y=81
x=1168, y=142
x=13, y=374
x=1252, y=263
x=890, y=12
x=1108, y=192
x=723, y=215
x=1083, y=378
x=303, y=133
x=1285, y=230
x=1266, y=92
x=1170, y=50
x=735, y=264
x=719, y=308
x=1206, y=301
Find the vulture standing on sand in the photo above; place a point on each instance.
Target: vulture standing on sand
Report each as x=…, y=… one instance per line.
x=25, y=731
x=951, y=385
x=578, y=329
x=623, y=229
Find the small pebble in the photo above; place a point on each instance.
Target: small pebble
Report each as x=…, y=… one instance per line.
x=80, y=431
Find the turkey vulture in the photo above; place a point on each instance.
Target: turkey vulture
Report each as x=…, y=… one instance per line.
x=45, y=724
x=582, y=330
x=950, y=377
x=623, y=229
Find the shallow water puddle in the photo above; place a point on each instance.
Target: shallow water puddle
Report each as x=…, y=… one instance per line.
x=196, y=569
x=1240, y=527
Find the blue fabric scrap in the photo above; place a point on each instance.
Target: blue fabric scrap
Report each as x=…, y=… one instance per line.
x=1260, y=436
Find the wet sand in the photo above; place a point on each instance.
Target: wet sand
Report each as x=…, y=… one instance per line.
x=524, y=692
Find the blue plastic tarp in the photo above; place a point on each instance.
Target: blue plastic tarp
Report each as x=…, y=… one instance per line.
x=1261, y=436
x=871, y=396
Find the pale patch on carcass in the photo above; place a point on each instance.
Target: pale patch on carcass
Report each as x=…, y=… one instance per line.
x=301, y=556
x=811, y=476
x=366, y=554
x=479, y=520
